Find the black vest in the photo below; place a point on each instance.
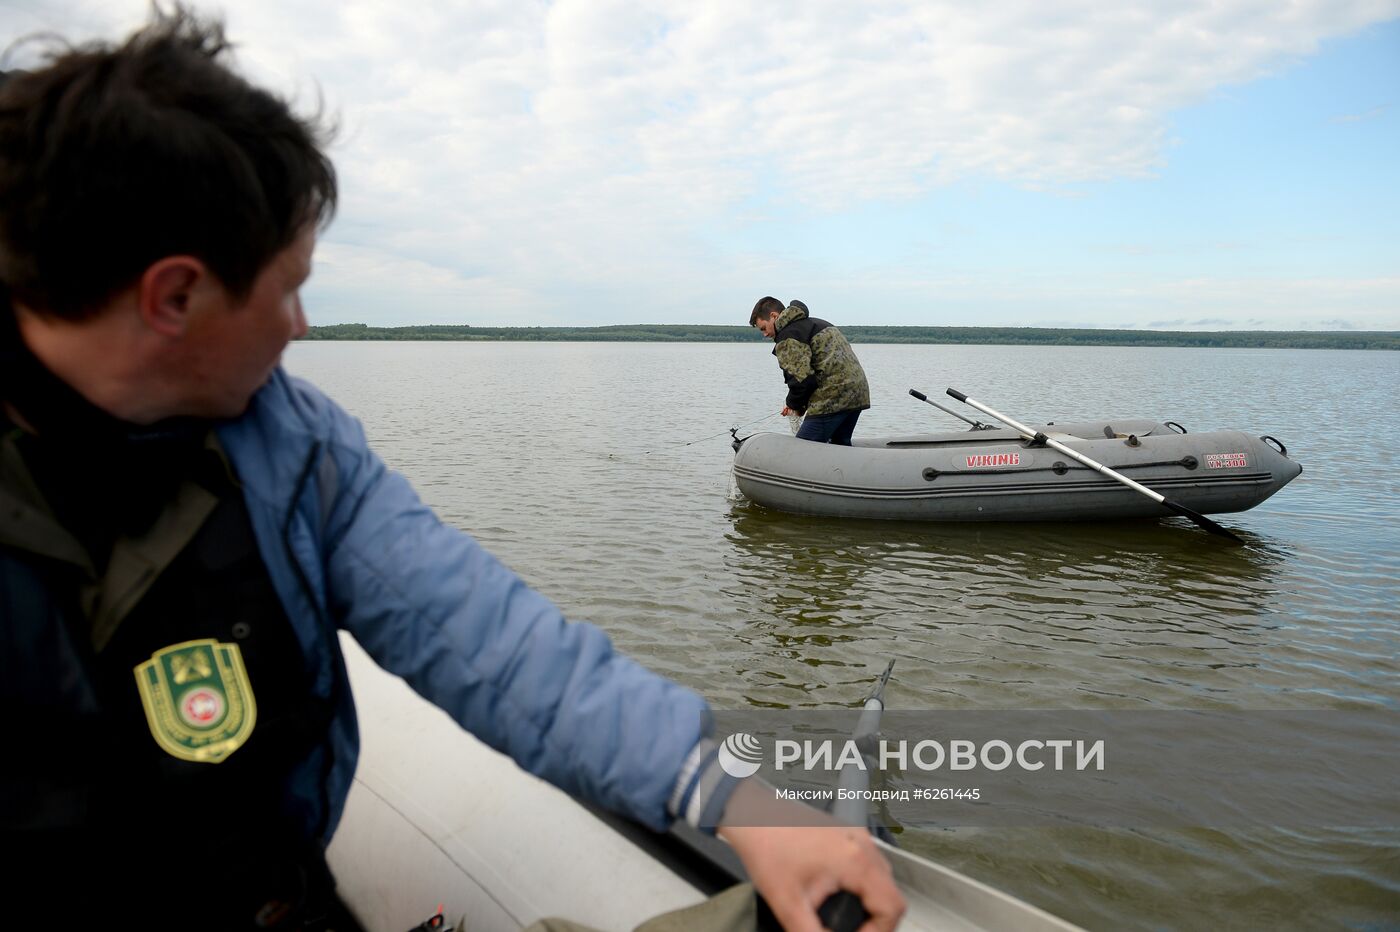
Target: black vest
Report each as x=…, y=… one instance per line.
x=98, y=809
x=97, y=817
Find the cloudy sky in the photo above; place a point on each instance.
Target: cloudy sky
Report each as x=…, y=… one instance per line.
x=1183, y=164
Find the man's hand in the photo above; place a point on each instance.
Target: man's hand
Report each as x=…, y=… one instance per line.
x=788, y=411
x=798, y=856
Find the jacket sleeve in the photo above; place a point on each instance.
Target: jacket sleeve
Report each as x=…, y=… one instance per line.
x=432, y=606
x=798, y=372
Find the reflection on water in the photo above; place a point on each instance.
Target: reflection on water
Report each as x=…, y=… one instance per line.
x=601, y=473
x=1087, y=615
x=1120, y=878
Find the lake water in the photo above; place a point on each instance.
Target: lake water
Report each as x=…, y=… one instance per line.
x=601, y=473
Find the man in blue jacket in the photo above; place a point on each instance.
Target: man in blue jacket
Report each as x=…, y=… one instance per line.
x=186, y=528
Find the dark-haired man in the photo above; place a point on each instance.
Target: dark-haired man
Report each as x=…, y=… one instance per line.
x=826, y=383
x=184, y=528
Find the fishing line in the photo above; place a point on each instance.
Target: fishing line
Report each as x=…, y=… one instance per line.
x=723, y=432
x=687, y=443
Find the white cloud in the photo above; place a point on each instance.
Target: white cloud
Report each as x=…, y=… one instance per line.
x=1373, y=113
x=582, y=150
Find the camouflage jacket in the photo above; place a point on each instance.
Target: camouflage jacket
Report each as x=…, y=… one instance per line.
x=819, y=366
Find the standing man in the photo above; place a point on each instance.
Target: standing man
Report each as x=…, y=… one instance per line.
x=184, y=530
x=825, y=381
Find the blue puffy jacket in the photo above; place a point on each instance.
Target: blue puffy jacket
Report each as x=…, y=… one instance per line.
x=350, y=546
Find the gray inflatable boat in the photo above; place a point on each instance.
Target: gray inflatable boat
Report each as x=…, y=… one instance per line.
x=996, y=475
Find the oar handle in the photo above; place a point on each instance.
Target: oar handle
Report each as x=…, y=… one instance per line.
x=1017, y=426
x=842, y=912
x=977, y=425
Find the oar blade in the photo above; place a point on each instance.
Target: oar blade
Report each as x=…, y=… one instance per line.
x=1202, y=521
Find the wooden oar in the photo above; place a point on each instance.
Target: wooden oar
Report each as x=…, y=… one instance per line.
x=1039, y=437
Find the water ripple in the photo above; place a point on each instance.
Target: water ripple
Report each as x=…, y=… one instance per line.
x=600, y=472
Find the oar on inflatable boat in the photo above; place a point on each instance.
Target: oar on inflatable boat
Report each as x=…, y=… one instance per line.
x=976, y=425
x=850, y=807
x=843, y=912
x=1038, y=437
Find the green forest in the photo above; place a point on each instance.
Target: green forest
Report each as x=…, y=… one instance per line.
x=1035, y=336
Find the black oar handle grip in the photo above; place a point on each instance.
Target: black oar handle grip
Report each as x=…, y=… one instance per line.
x=957, y=394
x=918, y=394
x=842, y=912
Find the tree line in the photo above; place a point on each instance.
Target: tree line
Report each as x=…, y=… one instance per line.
x=858, y=333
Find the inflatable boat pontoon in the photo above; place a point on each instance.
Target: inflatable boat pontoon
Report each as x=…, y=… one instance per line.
x=437, y=817
x=996, y=475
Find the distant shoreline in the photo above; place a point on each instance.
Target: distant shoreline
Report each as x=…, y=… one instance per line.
x=1006, y=336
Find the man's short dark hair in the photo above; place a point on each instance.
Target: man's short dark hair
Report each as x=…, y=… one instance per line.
x=113, y=157
x=763, y=308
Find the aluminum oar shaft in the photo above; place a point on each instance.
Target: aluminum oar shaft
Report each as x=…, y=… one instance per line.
x=1039, y=437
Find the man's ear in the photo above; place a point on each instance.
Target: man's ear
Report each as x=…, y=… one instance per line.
x=167, y=291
